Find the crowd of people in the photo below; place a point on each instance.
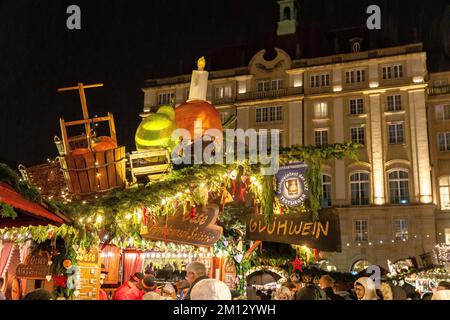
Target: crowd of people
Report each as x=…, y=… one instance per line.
x=198, y=286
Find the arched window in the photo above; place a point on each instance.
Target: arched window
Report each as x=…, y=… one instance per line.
x=327, y=266
x=399, y=187
x=287, y=13
x=444, y=191
x=360, y=189
x=360, y=265
x=326, y=187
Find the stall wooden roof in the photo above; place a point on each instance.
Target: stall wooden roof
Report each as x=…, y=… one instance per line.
x=29, y=213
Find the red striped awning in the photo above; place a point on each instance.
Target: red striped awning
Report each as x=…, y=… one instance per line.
x=29, y=212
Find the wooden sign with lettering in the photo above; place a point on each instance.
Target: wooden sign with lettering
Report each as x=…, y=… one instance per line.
x=89, y=265
x=36, y=266
x=198, y=231
x=299, y=229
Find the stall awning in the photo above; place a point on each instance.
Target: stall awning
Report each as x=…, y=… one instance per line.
x=29, y=213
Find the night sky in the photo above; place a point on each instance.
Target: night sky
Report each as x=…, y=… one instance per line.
x=123, y=43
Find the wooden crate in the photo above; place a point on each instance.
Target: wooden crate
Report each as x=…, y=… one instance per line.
x=96, y=172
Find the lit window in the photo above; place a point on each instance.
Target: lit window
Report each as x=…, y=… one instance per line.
x=395, y=133
x=401, y=230
x=444, y=191
x=320, y=110
x=361, y=231
x=223, y=92
x=399, y=187
x=360, y=189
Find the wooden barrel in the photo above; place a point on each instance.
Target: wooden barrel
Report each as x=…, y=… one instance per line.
x=96, y=172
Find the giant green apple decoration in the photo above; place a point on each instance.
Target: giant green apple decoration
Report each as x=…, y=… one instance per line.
x=155, y=131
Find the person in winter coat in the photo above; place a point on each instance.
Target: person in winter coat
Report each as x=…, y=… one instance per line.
x=310, y=292
x=326, y=284
x=196, y=272
x=365, y=289
x=121, y=293
x=339, y=289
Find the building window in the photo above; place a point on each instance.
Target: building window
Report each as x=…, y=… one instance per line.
x=355, y=76
x=360, y=189
x=444, y=141
x=440, y=83
x=321, y=137
x=320, y=80
x=393, y=72
x=326, y=187
x=447, y=236
x=394, y=103
x=356, y=106
x=268, y=85
x=443, y=112
x=265, y=139
x=444, y=191
x=395, y=133
x=401, y=229
x=269, y=114
x=223, y=92
x=320, y=110
x=361, y=231
x=358, y=135
x=166, y=98
x=277, y=84
x=224, y=116
x=399, y=187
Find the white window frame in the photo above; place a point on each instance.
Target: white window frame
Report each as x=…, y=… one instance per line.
x=327, y=182
x=394, y=103
x=401, y=229
x=355, y=76
x=358, y=135
x=444, y=192
x=396, y=140
x=320, y=80
x=357, y=105
x=442, y=112
x=263, y=85
x=398, y=182
x=223, y=92
x=269, y=114
x=359, y=183
x=164, y=98
x=361, y=230
x=276, y=84
x=445, y=137
x=320, y=110
x=394, y=71
x=322, y=135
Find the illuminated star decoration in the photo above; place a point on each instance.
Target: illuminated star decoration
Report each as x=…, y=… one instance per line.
x=297, y=265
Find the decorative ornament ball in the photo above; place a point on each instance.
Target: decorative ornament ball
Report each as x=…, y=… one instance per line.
x=67, y=263
x=197, y=117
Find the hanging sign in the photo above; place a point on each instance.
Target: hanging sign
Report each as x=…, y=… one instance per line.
x=36, y=266
x=292, y=187
x=200, y=230
x=299, y=229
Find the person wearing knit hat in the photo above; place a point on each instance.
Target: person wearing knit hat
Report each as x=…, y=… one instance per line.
x=122, y=292
x=210, y=289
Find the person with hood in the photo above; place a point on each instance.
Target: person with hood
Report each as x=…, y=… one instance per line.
x=442, y=291
x=121, y=293
x=196, y=272
x=365, y=289
x=210, y=289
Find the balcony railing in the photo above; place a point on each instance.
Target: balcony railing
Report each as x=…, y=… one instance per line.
x=269, y=94
x=434, y=91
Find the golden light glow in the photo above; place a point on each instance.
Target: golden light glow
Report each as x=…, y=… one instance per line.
x=201, y=64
